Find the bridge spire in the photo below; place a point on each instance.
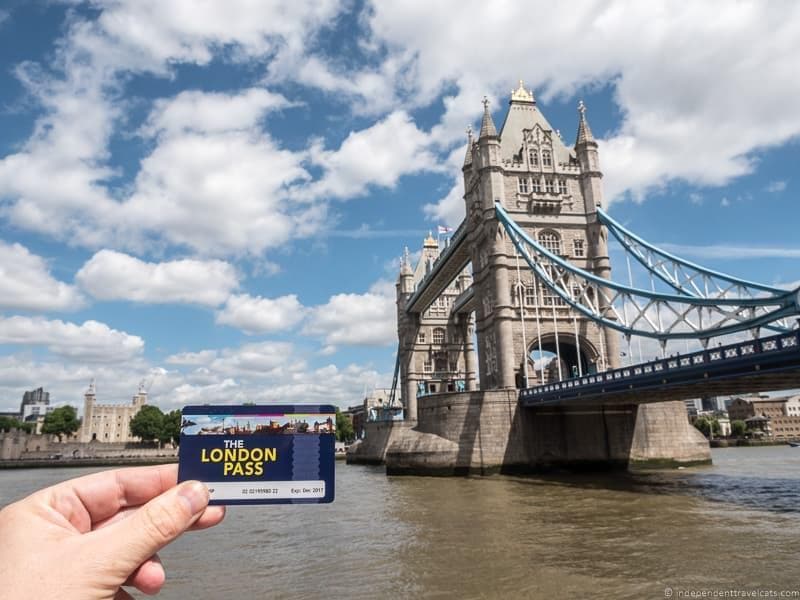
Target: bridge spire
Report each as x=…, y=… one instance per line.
x=470, y=142
x=487, y=124
x=522, y=95
x=584, y=132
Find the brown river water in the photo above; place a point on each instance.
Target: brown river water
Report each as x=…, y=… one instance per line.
x=731, y=527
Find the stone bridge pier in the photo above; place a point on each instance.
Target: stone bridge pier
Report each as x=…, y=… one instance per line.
x=485, y=432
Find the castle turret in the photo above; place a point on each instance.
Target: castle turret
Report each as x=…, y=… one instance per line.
x=140, y=399
x=89, y=398
x=406, y=278
x=589, y=161
x=488, y=155
x=468, y=158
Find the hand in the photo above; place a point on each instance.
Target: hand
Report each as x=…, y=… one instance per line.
x=87, y=537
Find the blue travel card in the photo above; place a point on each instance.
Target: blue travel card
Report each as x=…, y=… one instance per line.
x=249, y=454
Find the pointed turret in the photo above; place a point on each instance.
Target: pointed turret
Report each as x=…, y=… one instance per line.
x=405, y=262
x=584, y=132
x=470, y=143
x=589, y=161
x=405, y=281
x=487, y=124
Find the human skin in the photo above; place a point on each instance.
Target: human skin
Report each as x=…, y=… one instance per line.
x=86, y=537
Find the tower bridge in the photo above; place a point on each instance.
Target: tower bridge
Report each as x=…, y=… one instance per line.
x=510, y=337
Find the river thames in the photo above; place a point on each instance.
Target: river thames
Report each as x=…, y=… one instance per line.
x=732, y=526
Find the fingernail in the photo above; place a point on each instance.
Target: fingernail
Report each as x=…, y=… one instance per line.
x=195, y=494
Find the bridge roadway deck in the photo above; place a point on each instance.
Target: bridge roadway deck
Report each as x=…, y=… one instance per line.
x=445, y=269
x=765, y=364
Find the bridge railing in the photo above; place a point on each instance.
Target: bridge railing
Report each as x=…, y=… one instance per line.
x=660, y=368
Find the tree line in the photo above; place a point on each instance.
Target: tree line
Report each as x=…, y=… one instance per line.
x=60, y=422
x=150, y=424
x=707, y=425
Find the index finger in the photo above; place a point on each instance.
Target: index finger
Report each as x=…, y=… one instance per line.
x=93, y=498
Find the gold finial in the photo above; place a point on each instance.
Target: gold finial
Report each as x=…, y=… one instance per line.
x=521, y=94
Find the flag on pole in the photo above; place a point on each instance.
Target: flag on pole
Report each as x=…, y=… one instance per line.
x=442, y=229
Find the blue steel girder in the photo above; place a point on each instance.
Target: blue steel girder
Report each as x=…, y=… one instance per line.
x=682, y=275
x=452, y=261
x=644, y=312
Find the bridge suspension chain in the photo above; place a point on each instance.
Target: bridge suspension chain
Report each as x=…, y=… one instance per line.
x=634, y=311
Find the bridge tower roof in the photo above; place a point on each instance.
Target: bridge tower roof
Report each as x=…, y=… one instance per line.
x=524, y=115
x=487, y=124
x=470, y=143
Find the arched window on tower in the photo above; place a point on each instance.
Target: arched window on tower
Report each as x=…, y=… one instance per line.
x=547, y=159
x=533, y=157
x=530, y=296
x=551, y=241
x=438, y=336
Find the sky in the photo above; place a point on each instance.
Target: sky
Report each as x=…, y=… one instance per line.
x=212, y=197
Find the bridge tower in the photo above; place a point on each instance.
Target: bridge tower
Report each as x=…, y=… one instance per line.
x=463, y=412
x=435, y=351
x=551, y=190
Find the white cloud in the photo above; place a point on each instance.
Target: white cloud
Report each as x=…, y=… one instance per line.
x=266, y=372
x=192, y=358
x=187, y=31
x=67, y=380
x=667, y=99
x=776, y=186
x=69, y=146
x=356, y=319
x=377, y=155
x=450, y=209
x=255, y=315
x=188, y=178
x=372, y=91
x=209, y=150
x=91, y=341
x=263, y=360
x=111, y=275
x=209, y=112
x=26, y=283
x=326, y=385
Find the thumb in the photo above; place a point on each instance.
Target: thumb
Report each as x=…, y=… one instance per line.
x=132, y=541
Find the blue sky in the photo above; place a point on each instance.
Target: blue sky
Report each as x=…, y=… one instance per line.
x=212, y=197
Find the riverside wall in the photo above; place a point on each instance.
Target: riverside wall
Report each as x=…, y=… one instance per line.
x=487, y=432
x=17, y=445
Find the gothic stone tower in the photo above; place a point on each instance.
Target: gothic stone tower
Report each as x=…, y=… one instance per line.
x=436, y=350
x=552, y=191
